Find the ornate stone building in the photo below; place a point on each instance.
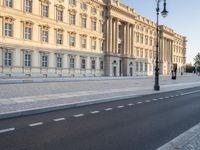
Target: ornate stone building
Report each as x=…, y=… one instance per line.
x=51, y=38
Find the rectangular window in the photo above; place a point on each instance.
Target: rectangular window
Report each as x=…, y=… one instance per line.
x=137, y=66
x=28, y=6
x=8, y=29
x=93, y=44
x=101, y=65
x=94, y=25
x=28, y=33
x=45, y=10
x=84, y=6
x=72, y=2
x=93, y=64
x=141, y=53
x=146, y=67
x=59, y=38
x=27, y=60
x=7, y=58
x=59, y=15
x=83, y=22
x=9, y=3
x=72, y=63
x=59, y=62
x=83, y=42
x=72, y=19
x=141, y=67
x=146, y=53
x=45, y=61
x=83, y=64
x=72, y=41
x=45, y=36
x=93, y=10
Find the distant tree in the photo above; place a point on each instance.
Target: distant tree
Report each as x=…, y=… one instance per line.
x=197, y=60
x=190, y=68
x=198, y=69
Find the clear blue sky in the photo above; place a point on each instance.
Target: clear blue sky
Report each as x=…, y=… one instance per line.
x=183, y=17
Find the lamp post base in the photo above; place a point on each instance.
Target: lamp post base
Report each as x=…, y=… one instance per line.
x=156, y=88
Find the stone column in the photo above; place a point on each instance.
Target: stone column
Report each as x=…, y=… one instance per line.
x=113, y=36
x=127, y=39
x=117, y=35
x=124, y=40
x=110, y=35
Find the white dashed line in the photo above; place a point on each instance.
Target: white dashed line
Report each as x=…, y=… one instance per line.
x=58, y=119
x=155, y=99
x=131, y=104
x=120, y=106
x=172, y=96
x=147, y=101
x=139, y=102
x=108, y=109
x=94, y=112
x=166, y=97
x=160, y=98
x=176, y=95
x=78, y=115
x=7, y=130
x=36, y=124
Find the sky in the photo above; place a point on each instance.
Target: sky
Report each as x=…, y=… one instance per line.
x=183, y=18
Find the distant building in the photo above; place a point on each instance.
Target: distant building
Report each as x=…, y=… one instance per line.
x=50, y=38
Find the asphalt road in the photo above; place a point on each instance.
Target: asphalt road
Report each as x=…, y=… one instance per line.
x=143, y=123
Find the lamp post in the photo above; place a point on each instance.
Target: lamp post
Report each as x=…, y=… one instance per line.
x=164, y=14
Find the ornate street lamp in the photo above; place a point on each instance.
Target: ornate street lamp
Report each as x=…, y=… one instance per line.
x=164, y=14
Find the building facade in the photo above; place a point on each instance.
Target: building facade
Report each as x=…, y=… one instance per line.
x=54, y=38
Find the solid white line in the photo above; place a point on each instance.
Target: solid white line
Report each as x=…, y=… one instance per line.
x=131, y=104
x=147, y=101
x=139, y=102
x=120, y=106
x=94, y=112
x=58, y=119
x=7, y=130
x=78, y=115
x=108, y=109
x=36, y=124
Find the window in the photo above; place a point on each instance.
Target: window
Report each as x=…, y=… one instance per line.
x=83, y=22
x=93, y=10
x=28, y=33
x=72, y=2
x=138, y=52
x=137, y=37
x=146, y=67
x=84, y=6
x=59, y=38
x=141, y=53
x=8, y=29
x=102, y=45
x=72, y=40
x=44, y=61
x=27, y=60
x=7, y=58
x=146, y=40
x=102, y=28
x=141, y=38
x=45, y=10
x=93, y=44
x=94, y=25
x=45, y=36
x=141, y=67
x=72, y=19
x=146, y=53
x=28, y=6
x=59, y=15
x=83, y=64
x=9, y=3
x=101, y=65
x=93, y=64
x=83, y=42
x=72, y=63
x=59, y=62
x=137, y=66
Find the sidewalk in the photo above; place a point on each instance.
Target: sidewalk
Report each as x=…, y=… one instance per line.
x=24, y=99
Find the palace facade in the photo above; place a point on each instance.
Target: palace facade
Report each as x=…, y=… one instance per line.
x=64, y=38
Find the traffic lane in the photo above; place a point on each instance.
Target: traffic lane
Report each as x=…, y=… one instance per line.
x=21, y=122
x=143, y=127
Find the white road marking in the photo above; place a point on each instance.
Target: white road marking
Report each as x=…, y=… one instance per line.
x=155, y=99
x=94, y=112
x=176, y=95
x=160, y=98
x=147, y=101
x=36, y=124
x=58, y=119
x=139, y=102
x=108, y=109
x=120, y=106
x=131, y=104
x=166, y=97
x=78, y=115
x=7, y=130
x=172, y=96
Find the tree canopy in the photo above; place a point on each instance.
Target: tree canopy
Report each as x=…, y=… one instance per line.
x=197, y=59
